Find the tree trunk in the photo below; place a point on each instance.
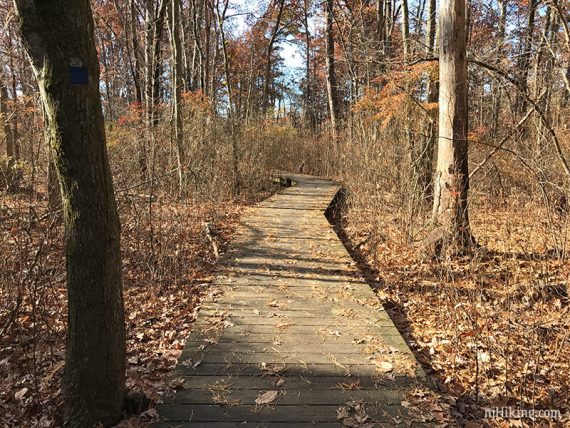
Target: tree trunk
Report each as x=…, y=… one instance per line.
x=497, y=93
x=405, y=29
x=134, y=42
x=450, y=209
x=8, y=178
x=266, y=82
x=58, y=36
x=154, y=24
x=176, y=45
x=380, y=24
x=221, y=17
x=308, y=108
x=332, y=90
x=526, y=55
x=426, y=155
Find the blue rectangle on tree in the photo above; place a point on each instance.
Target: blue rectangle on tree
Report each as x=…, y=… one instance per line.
x=79, y=75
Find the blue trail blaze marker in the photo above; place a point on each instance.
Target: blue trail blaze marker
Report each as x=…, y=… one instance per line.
x=79, y=75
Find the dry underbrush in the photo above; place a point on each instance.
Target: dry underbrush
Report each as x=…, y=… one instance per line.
x=167, y=258
x=167, y=263
x=492, y=329
x=165, y=273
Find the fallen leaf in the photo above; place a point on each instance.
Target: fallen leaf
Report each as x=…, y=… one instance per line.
x=385, y=366
x=20, y=394
x=266, y=397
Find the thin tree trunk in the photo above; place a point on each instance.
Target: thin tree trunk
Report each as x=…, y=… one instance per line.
x=207, y=47
x=221, y=16
x=308, y=110
x=526, y=54
x=58, y=36
x=380, y=25
x=197, y=26
x=497, y=93
x=177, y=88
x=425, y=172
x=405, y=29
x=134, y=41
x=332, y=89
x=272, y=39
x=15, y=112
x=4, y=121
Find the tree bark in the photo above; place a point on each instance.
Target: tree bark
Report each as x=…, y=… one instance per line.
x=58, y=36
x=450, y=209
x=526, y=55
x=309, y=117
x=405, y=29
x=332, y=89
x=7, y=130
x=497, y=93
x=426, y=155
x=221, y=17
x=176, y=45
x=268, y=56
x=380, y=24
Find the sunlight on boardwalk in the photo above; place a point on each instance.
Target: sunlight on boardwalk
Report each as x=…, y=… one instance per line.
x=293, y=334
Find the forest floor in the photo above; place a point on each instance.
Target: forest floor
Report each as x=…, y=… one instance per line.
x=167, y=265
x=492, y=330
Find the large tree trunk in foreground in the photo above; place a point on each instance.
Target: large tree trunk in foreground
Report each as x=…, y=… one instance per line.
x=450, y=211
x=58, y=36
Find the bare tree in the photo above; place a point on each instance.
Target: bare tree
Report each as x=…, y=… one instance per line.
x=332, y=89
x=178, y=124
x=8, y=136
x=405, y=28
x=269, y=52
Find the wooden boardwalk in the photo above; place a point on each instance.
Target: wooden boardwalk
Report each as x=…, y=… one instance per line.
x=293, y=335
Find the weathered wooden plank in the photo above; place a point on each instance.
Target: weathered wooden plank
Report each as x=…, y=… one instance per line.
x=322, y=383
x=285, y=338
x=215, y=356
x=267, y=345
x=332, y=320
x=289, y=369
x=287, y=396
x=356, y=332
x=278, y=413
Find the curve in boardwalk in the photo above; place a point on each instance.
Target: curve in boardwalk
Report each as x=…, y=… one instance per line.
x=292, y=335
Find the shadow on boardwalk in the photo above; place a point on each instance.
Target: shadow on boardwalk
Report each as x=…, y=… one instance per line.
x=293, y=335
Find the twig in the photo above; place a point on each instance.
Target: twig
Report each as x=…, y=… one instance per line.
x=208, y=232
x=504, y=140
